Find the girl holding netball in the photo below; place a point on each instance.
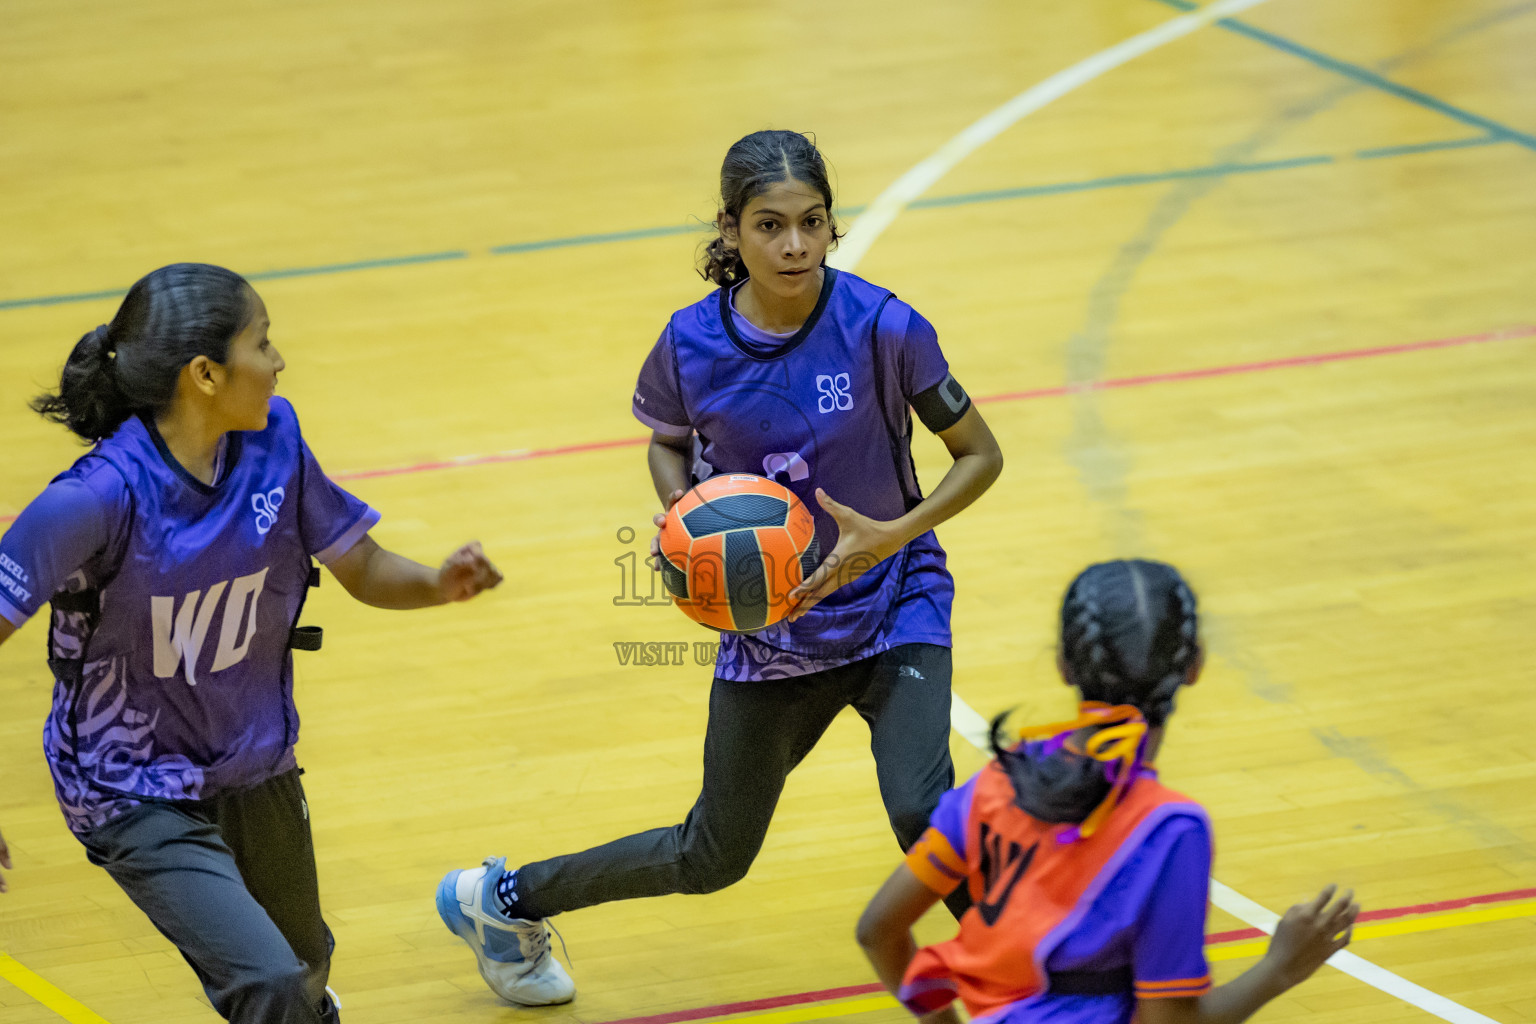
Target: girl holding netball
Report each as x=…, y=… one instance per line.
x=1089, y=877
x=792, y=370
x=177, y=555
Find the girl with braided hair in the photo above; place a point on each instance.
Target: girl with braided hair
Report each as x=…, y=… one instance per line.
x=1088, y=876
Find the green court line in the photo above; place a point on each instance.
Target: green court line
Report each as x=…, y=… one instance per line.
x=932, y=202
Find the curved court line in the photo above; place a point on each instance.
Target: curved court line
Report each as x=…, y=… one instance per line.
x=907, y=188
x=890, y=204
x=1129, y=180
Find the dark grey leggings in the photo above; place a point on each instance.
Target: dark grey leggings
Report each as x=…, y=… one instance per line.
x=758, y=732
x=231, y=882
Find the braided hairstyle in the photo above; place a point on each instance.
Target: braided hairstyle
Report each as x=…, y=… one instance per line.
x=752, y=166
x=168, y=318
x=1130, y=634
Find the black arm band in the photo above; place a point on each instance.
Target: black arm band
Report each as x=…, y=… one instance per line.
x=942, y=406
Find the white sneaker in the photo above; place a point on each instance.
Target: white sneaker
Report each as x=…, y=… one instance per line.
x=514, y=956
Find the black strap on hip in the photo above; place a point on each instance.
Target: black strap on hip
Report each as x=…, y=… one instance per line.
x=307, y=638
x=1092, y=983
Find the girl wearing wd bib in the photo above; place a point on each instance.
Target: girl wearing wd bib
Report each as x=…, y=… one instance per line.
x=1089, y=877
x=177, y=555
x=796, y=371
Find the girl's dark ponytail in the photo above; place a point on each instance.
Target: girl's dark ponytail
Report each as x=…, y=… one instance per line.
x=89, y=401
x=167, y=319
x=1129, y=636
x=722, y=264
x=1060, y=788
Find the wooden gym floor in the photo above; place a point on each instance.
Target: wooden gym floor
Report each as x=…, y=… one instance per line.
x=1257, y=302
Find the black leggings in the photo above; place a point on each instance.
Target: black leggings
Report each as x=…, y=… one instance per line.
x=231, y=881
x=758, y=732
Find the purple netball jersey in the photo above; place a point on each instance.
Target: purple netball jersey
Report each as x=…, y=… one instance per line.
x=173, y=603
x=825, y=407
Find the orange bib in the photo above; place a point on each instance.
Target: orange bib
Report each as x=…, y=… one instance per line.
x=1029, y=889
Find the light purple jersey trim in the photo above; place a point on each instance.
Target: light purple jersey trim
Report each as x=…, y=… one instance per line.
x=10, y=613
x=1106, y=874
x=667, y=429
x=341, y=545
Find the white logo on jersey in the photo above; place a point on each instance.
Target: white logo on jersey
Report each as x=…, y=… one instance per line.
x=266, y=506
x=179, y=635
x=788, y=463
x=836, y=392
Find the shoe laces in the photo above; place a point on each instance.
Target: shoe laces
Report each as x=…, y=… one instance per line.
x=537, y=933
x=563, y=950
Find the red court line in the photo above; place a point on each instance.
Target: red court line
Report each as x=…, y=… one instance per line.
x=522, y=455
x=770, y=1003
x=1505, y=334
x=707, y=1012
x=1392, y=912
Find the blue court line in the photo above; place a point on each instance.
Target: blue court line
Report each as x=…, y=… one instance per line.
x=342, y=268
x=932, y=202
x=612, y=236
x=1117, y=181
x=1365, y=76
x=260, y=275
x=1426, y=147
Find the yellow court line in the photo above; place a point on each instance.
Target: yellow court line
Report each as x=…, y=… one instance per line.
x=1407, y=926
x=77, y=1013
x=65, y=1006
x=819, y=1011
x=1235, y=951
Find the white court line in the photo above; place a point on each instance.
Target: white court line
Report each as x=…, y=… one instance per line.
x=968, y=723
x=1249, y=912
x=890, y=204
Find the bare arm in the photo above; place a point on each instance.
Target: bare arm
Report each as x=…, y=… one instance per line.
x=384, y=579
x=885, y=932
x=6, y=630
x=978, y=461
x=862, y=542
x=668, y=458
x=1306, y=937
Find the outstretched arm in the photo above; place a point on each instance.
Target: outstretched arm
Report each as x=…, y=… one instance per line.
x=1307, y=936
x=384, y=579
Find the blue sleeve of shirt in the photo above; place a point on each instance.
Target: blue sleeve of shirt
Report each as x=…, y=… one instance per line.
x=1168, y=955
x=61, y=530
x=331, y=520
x=914, y=345
x=656, y=402
x=953, y=812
